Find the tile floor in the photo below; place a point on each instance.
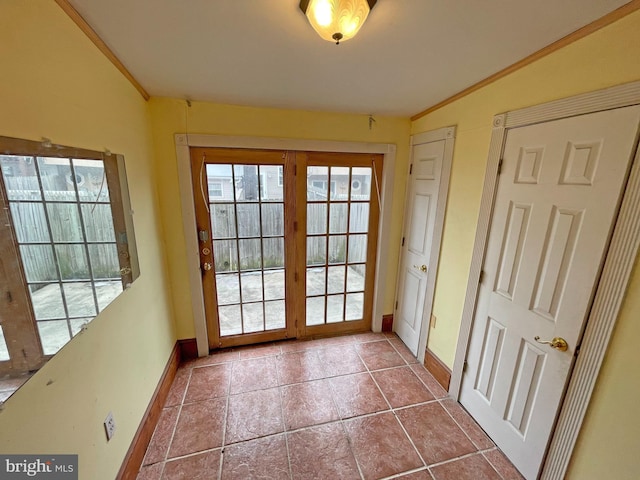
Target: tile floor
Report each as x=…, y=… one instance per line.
x=357, y=406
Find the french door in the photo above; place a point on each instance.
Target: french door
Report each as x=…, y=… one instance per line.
x=287, y=242
x=339, y=230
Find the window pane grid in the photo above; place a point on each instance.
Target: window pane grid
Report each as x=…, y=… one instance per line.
x=253, y=305
x=346, y=213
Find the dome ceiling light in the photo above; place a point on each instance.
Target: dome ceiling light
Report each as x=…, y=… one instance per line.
x=337, y=20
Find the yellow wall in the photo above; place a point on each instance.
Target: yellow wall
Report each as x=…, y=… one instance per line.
x=56, y=84
x=610, y=440
x=169, y=116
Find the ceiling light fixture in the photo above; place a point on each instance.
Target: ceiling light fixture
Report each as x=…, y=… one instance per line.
x=337, y=20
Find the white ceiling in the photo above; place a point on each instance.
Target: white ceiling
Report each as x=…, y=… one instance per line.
x=409, y=55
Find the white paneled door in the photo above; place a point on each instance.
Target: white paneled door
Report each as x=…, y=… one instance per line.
x=556, y=202
x=420, y=222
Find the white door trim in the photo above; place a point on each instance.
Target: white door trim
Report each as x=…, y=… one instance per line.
x=448, y=134
x=184, y=141
x=612, y=286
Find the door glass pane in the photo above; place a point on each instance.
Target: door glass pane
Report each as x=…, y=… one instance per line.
x=335, y=308
x=315, y=281
x=273, y=252
x=91, y=180
x=104, y=260
x=219, y=183
x=98, y=222
x=316, y=218
x=361, y=183
x=20, y=177
x=246, y=183
x=251, y=286
x=64, y=220
x=58, y=182
x=355, y=278
x=316, y=250
x=317, y=183
x=357, y=248
x=355, y=306
x=274, y=315
x=337, y=249
x=253, y=317
x=272, y=183
x=79, y=298
x=250, y=254
x=107, y=292
x=359, y=218
x=53, y=335
x=38, y=263
x=72, y=262
x=338, y=218
x=248, y=220
x=339, y=183
x=230, y=320
x=225, y=255
x=29, y=222
x=336, y=279
x=272, y=219
x=46, y=299
x=228, y=289
x=274, y=284
x=315, y=311
x=223, y=220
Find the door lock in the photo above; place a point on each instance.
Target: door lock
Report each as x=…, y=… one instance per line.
x=558, y=343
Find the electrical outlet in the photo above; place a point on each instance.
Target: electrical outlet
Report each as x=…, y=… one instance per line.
x=109, y=426
x=433, y=321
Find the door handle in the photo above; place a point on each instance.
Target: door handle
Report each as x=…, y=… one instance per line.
x=206, y=266
x=558, y=343
x=422, y=268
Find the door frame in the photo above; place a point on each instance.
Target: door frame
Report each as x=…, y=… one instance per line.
x=448, y=134
x=612, y=285
x=183, y=141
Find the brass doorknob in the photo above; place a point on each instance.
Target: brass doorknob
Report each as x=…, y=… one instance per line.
x=422, y=268
x=207, y=266
x=558, y=343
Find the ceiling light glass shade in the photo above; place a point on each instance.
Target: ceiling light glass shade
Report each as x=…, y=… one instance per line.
x=337, y=20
